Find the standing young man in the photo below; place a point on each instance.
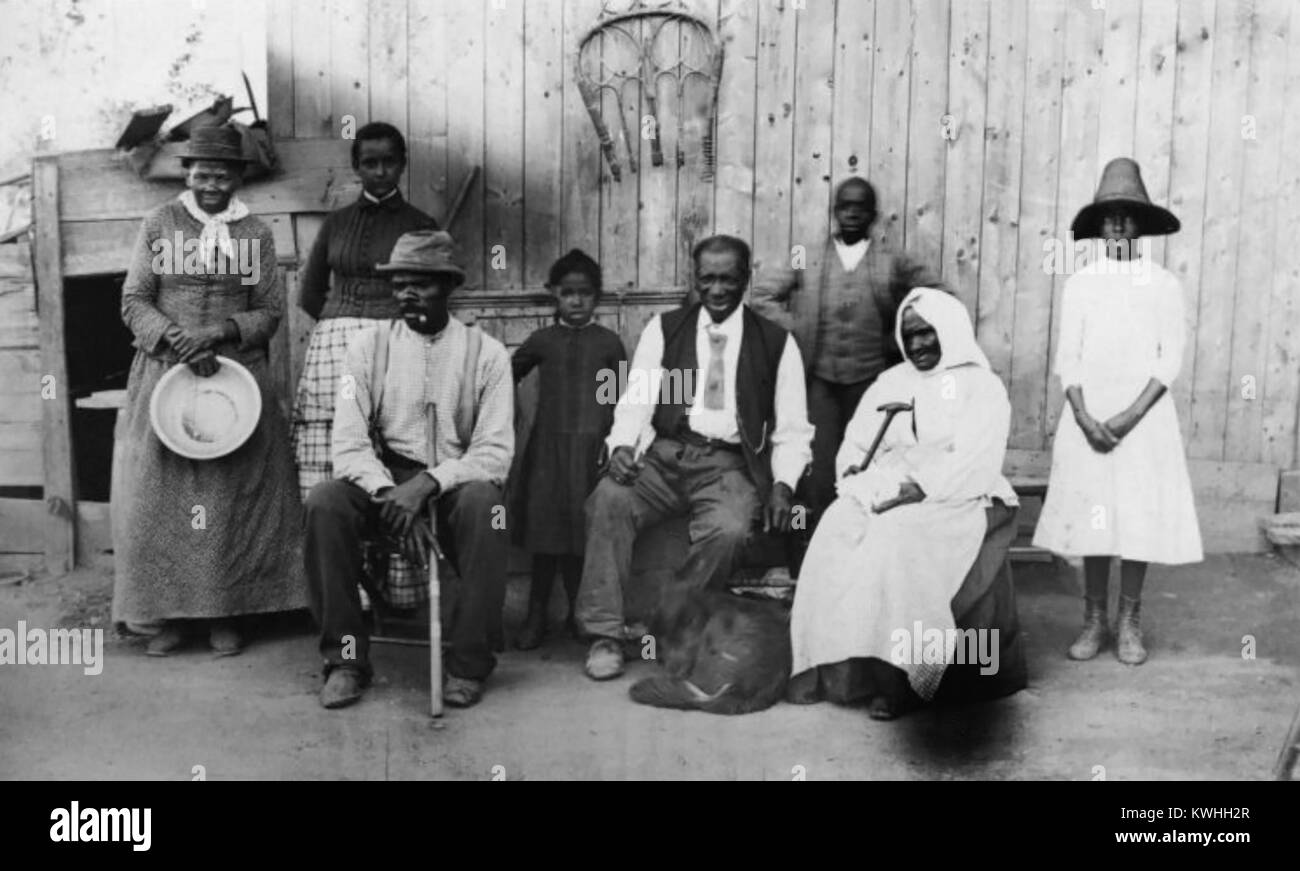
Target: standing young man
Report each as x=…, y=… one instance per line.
x=841, y=309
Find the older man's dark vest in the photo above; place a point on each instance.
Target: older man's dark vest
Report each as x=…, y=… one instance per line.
x=761, y=345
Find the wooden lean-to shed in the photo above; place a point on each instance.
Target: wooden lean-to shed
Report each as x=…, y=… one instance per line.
x=983, y=126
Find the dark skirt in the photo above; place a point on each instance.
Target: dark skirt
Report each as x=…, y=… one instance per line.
x=562, y=470
x=986, y=600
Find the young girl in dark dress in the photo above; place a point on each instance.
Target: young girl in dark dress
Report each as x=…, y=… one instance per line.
x=564, y=450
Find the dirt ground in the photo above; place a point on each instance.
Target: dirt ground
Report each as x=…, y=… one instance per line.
x=1197, y=710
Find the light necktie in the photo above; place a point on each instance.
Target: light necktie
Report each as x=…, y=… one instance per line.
x=715, y=381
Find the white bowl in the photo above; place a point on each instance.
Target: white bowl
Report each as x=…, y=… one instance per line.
x=205, y=418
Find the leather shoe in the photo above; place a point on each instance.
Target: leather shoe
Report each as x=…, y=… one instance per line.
x=225, y=639
x=343, y=687
x=461, y=692
x=166, y=641
x=604, y=659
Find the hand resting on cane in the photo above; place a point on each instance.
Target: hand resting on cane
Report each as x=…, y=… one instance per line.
x=404, y=515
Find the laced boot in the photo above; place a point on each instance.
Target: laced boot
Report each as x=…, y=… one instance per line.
x=1094, y=635
x=1130, y=649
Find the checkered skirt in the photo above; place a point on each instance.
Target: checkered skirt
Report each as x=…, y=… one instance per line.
x=402, y=585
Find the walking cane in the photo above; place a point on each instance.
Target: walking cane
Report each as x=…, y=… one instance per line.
x=435, y=592
x=891, y=410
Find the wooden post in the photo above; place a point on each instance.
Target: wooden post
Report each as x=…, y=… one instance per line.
x=60, y=482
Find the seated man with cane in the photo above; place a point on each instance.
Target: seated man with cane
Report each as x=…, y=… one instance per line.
x=398, y=467
x=907, y=574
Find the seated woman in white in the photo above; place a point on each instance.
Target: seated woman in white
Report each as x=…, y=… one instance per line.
x=898, y=559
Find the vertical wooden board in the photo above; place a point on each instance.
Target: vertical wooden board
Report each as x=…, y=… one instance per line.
x=1281, y=394
x=300, y=328
x=810, y=194
x=1081, y=96
x=544, y=82
x=1188, y=167
x=582, y=163
x=311, y=70
x=1000, y=218
x=968, y=58
x=1119, y=82
x=930, y=110
x=388, y=68
x=426, y=107
x=734, y=187
x=1039, y=167
x=621, y=111
x=657, y=225
x=305, y=227
x=773, y=134
x=279, y=69
x=1213, y=376
x=19, y=326
x=20, y=386
x=349, y=78
x=466, y=62
x=280, y=354
x=503, y=118
x=695, y=178
x=1153, y=130
x=854, y=50
x=1261, y=129
x=890, y=82
x=60, y=479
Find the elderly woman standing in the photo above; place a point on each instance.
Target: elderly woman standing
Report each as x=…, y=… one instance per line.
x=897, y=560
x=203, y=540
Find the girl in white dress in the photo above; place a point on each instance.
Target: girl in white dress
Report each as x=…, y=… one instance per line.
x=1119, y=485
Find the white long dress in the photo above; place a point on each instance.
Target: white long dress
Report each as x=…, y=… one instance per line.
x=867, y=577
x=1118, y=331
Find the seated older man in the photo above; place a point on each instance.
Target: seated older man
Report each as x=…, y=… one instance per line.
x=395, y=469
x=727, y=453
x=906, y=574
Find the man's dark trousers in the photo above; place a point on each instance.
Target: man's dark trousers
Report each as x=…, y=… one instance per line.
x=340, y=518
x=710, y=485
x=830, y=408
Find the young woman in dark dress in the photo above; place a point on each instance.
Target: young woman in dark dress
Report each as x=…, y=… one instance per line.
x=560, y=466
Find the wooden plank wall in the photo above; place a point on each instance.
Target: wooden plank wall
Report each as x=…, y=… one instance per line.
x=20, y=363
x=983, y=125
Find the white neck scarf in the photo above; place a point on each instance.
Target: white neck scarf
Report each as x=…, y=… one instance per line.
x=215, y=235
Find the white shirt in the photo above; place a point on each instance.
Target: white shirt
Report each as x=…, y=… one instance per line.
x=423, y=369
x=851, y=255
x=792, y=437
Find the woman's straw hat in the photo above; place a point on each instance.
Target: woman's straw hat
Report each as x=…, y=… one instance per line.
x=205, y=418
x=1121, y=184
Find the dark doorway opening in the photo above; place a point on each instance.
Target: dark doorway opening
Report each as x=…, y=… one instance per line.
x=99, y=354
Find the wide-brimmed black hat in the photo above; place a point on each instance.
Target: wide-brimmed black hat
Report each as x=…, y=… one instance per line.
x=1121, y=184
x=215, y=143
x=429, y=251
